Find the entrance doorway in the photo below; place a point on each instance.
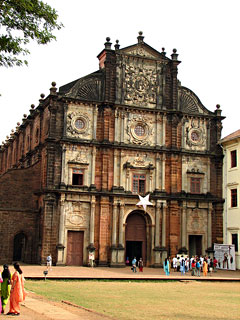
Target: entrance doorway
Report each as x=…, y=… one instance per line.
x=75, y=248
x=195, y=245
x=136, y=240
x=19, y=247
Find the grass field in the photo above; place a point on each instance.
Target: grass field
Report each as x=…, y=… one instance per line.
x=147, y=300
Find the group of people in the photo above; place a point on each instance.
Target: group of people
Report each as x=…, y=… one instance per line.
x=136, y=264
x=12, y=286
x=195, y=264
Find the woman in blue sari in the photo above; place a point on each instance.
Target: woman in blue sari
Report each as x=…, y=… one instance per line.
x=166, y=267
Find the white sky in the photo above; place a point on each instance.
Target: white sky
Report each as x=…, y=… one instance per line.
x=205, y=34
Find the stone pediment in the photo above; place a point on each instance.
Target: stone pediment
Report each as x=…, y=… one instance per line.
x=142, y=50
x=190, y=103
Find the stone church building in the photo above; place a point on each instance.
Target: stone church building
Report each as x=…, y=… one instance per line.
x=71, y=173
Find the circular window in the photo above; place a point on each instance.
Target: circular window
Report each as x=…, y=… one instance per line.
x=195, y=136
x=139, y=130
x=80, y=124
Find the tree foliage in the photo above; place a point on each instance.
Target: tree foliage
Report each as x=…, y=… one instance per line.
x=20, y=22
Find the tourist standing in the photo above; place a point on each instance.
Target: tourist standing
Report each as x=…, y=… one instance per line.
x=5, y=286
x=198, y=267
x=174, y=263
x=140, y=265
x=49, y=261
x=17, y=291
x=166, y=267
x=193, y=267
x=215, y=264
x=205, y=267
x=182, y=266
x=134, y=264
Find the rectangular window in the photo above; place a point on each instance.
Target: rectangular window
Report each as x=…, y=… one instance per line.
x=233, y=158
x=195, y=185
x=233, y=198
x=139, y=183
x=77, y=177
x=235, y=240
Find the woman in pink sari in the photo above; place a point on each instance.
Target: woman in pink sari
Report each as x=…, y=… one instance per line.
x=17, y=291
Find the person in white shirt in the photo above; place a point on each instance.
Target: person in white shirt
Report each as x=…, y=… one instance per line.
x=49, y=261
x=175, y=264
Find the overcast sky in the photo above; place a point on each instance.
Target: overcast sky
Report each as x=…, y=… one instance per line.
x=205, y=34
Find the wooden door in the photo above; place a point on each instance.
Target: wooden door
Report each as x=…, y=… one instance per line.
x=75, y=248
x=136, y=240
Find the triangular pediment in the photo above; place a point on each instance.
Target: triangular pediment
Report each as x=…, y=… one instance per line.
x=143, y=50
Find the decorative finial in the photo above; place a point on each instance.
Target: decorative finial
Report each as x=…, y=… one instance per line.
x=24, y=116
x=53, y=89
x=32, y=106
x=174, y=55
x=117, y=45
x=218, y=106
x=18, y=123
x=12, y=131
x=42, y=95
x=140, y=37
x=108, y=44
x=163, y=51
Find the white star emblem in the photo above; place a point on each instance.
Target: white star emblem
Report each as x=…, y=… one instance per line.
x=144, y=202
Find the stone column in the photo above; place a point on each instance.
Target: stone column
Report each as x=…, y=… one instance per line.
x=114, y=225
x=92, y=222
x=164, y=130
x=157, y=130
x=114, y=249
x=209, y=226
x=63, y=179
x=163, y=224
x=184, y=225
x=163, y=172
x=120, y=240
x=115, y=182
x=121, y=169
x=163, y=247
x=122, y=127
x=116, y=138
x=60, y=246
x=94, y=122
x=157, y=224
x=128, y=179
x=157, y=173
x=93, y=166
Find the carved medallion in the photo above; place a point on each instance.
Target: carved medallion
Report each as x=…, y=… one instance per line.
x=78, y=123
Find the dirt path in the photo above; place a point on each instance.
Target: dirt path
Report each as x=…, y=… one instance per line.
x=38, y=308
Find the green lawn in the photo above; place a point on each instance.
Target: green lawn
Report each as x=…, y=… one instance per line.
x=147, y=300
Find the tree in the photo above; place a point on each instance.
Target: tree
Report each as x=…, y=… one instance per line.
x=20, y=22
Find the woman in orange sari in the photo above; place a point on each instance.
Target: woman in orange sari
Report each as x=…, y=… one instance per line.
x=17, y=291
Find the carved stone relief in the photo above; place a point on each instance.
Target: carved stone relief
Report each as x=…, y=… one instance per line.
x=140, y=84
x=140, y=129
x=78, y=124
x=80, y=156
x=77, y=214
x=195, y=133
x=197, y=221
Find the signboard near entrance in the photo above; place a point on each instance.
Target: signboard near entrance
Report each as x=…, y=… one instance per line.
x=225, y=255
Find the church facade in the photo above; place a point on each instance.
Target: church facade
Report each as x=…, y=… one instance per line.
x=72, y=171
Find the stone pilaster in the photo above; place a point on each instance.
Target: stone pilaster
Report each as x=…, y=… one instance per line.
x=60, y=246
x=93, y=167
